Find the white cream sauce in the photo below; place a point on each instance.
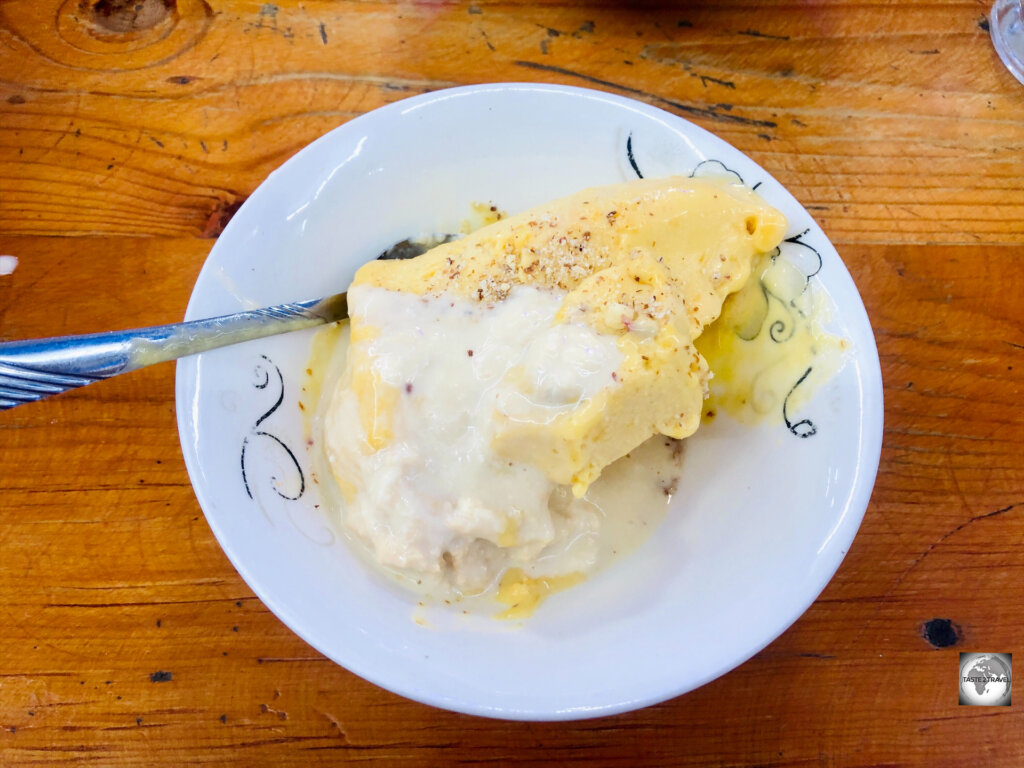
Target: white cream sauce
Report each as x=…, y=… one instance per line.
x=436, y=505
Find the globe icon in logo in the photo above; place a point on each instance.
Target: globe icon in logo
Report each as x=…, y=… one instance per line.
x=985, y=680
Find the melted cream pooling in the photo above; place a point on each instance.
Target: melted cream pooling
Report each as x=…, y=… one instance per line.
x=516, y=559
x=769, y=349
x=436, y=498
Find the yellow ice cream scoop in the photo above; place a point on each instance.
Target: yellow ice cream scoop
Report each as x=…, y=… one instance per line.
x=648, y=262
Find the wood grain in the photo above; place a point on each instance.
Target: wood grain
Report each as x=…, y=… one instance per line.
x=894, y=123
x=127, y=139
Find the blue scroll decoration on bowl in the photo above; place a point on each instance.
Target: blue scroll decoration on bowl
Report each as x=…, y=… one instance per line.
x=263, y=381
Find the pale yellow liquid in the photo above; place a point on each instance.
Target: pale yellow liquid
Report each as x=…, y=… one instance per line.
x=769, y=337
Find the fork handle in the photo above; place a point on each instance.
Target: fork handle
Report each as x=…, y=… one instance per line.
x=37, y=368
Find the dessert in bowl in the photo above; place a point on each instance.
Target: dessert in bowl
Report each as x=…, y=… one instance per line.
x=761, y=512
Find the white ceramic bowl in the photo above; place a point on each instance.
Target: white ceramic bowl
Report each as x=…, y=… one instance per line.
x=762, y=518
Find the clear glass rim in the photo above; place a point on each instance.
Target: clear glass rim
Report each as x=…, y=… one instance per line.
x=1006, y=27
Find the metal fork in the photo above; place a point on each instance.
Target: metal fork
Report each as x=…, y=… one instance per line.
x=34, y=369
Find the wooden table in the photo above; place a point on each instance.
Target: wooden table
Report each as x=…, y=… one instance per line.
x=131, y=131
